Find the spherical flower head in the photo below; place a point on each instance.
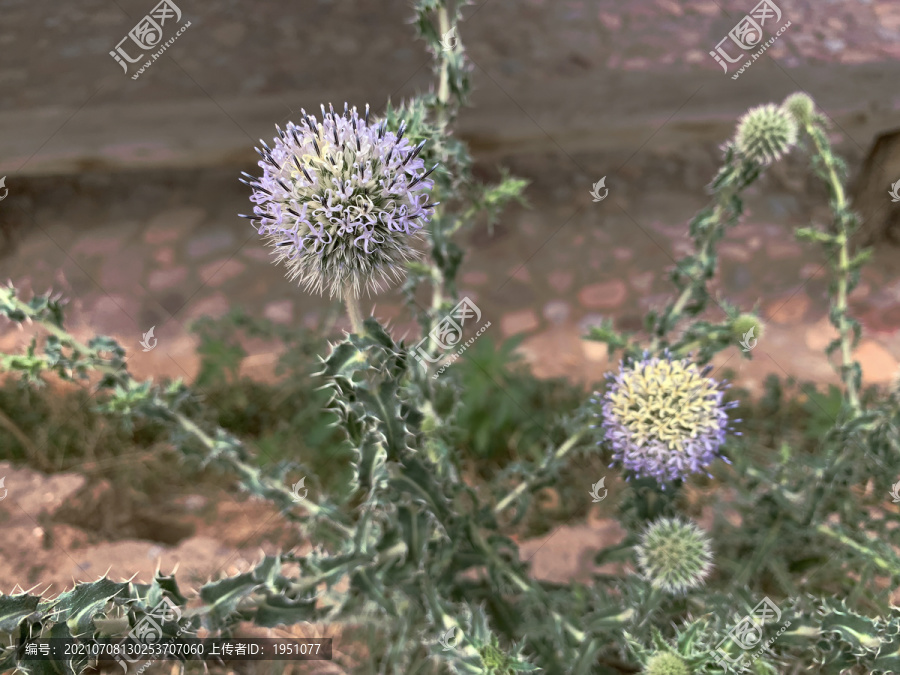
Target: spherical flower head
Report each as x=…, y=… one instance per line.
x=341, y=201
x=765, y=133
x=744, y=323
x=674, y=555
x=663, y=418
x=666, y=663
x=801, y=107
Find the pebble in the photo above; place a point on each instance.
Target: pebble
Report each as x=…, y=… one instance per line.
x=557, y=311
x=820, y=335
x=474, y=278
x=519, y=322
x=161, y=280
x=100, y=243
x=211, y=242
x=791, y=309
x=215, y=306
x=878, y=365
x=170, y=225
x=164, y=256
x=642, y=282
x=607, y=295
x=560, y=281
x=280, y=311
x=121, y=270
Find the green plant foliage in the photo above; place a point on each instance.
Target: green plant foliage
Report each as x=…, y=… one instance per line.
x=418, y=553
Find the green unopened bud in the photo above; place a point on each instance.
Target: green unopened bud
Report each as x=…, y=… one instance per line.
x=801, y=107
x=674, y=555
x=765, y=133
x=745, y=323
x=666, y=663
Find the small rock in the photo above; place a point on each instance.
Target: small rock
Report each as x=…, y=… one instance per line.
x=556, y=311
x=607, y=295
x=788, y=310
x=520, y=274
x=161, y=280
x=172, y=224
x=877, y=363
x=779, y=250
x=623, y=254
x=474, y=278
x=595, y=351
x=211, y=242
x=257, y=253
x=560, y=281
x=164, y=256
x=519, y=322
x=820, y=335
x=102, y=243
x=215, y=306
x=280, y=311
x=642, y=282
x=109, y=316
x=122, y=270
x=734, y=252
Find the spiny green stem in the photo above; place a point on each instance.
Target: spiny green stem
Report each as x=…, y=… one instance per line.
x=868, y=553
x=722, y=203
x=525, y=485
x=847, y=369
x=185, y=423
x=353, y=311
x=444, y=84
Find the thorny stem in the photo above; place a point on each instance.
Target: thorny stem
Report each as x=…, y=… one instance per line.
x=843, y=270
x=353, y=311
x=525, y=485
x=444, y=84
x=670, y=317
x=185, y=423
x=867, y=552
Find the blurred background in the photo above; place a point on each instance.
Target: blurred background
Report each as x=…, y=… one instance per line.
x=123, y=195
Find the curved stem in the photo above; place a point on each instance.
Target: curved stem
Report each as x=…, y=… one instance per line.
x=353, y=311
x=847, y=370
x=539, y=474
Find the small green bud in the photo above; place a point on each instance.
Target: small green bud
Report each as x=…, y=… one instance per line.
x=745, y=323
x=800, y=107
x=674, y=555
x=666, y=663
x=765, y=133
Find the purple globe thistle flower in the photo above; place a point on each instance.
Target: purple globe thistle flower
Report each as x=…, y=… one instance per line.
x=664, y=418
x=341, y=201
